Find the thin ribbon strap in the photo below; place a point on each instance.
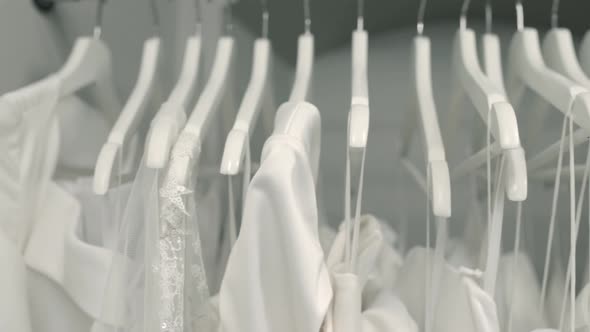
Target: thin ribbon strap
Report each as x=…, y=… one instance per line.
x=429, y=296
x=557, y=183
x=351, y=244
x=570, y=274
x=515, y=264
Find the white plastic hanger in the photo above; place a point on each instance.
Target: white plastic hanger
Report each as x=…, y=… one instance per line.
x=257, y=92
x=560, y=55
x=207, y=105
x=440, y=186
x=487, y=96
x=133, y=112
x=171, y=116
x=237, y=144
x=89, y=63
x=358, y=130
x=492, y=56
x=526, y=68
x=304, y=68
x=437, y=184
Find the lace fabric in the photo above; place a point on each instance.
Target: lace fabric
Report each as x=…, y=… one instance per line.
x=158, y=280
x=178, y=269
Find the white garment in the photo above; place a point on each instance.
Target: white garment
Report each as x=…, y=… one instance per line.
x=582, y=322
x=28, y=141
x=462, y=305
x=68, y=257
x=276, y=278
x=177, y=287
x=49, y=224
x=14, y=311
x=518, y=290
x=517, y=284
x=365, y=301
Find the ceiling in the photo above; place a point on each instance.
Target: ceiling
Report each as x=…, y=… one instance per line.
x=333, y=20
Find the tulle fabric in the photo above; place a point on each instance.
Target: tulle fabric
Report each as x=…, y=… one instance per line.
x=157, y=280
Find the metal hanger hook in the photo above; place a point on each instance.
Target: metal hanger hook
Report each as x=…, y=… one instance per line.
x=360, y=22
x=489, y=16
x=155, y=14
x=555, y=13
x=519, y=15
x=265, y=16
x=198, y=13
x=421, y=11
x=229, y=23
x=306, y=16
x=463, y=17
x=98, y=20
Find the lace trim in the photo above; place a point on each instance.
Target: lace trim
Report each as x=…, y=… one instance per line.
x=180, y=269
x=187, y=146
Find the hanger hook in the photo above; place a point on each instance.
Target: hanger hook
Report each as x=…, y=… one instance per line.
x=489, y=16
x=229, y=24
x=555, y=13
x=519, y=15
x=198, y=14
x=155, y=14
x=463, y=18
x=98, y=21
x=421, y=11
x=265, y=16
x=360, y=22
x=306, y=16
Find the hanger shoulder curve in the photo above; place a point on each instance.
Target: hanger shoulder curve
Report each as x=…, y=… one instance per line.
x=171, y=116
x=304, y=68
x=207, y=104
x=130, y=117
x=90, y=63
x=185, y=86
x=485, y=95
x=237, y=139
x=435, y=151
x=560, y=55
x=213, y=91
x=493, y=60
x=526, y=68
x=87, y=61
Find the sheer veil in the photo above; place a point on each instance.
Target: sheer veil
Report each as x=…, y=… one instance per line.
x=157, y=280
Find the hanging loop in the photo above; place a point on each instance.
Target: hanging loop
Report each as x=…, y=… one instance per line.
x=489, y=16
x=155, y=15
x=229, y=24
x=99, y=18
x=463, y=17
x=360, y=23
x=265, y=17
x=306, y=16
x=198, y=14
x=519, y=15
x=555, y=13
x=420, y=24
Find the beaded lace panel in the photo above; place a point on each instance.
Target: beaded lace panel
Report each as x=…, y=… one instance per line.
x=181, y=272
